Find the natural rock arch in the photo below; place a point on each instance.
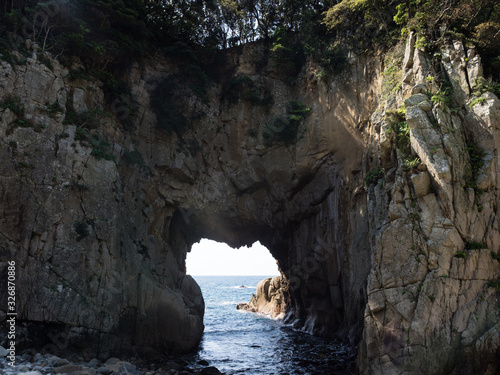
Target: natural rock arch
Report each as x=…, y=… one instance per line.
x=124, y=229
x=100, y=246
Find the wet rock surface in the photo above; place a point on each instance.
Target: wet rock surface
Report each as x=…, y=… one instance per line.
x=32, y=363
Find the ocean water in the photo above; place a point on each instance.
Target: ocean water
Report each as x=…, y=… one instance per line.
x=240, y=342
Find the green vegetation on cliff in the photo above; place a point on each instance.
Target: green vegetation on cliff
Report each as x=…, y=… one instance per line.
x=362, y=22
x=285, y=129
x=109, y=34
x=101, y=39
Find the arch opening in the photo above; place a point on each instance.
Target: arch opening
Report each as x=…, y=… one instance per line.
x=236, y=339
x=228, y=276
x=309, y=258
x=211, y=258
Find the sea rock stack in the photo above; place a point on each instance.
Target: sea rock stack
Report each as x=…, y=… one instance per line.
x=269, y=297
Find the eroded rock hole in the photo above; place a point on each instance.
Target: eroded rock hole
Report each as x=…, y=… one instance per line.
x=211, y=258
x=234, y=338
x=245, y=296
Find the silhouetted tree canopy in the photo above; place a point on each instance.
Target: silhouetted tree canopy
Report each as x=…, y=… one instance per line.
x=111, y=33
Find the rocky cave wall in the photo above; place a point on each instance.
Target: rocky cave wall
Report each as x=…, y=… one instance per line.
x=99, y=232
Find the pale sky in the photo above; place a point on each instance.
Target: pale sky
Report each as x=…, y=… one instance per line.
x=214, y=258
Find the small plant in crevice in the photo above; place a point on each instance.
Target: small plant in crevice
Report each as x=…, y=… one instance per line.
x=252, y=133
x=284, y=129
x=441, y=90
x=181, y=99
x=401, y=111
x=482, y=86
x=134, y=157
x=422, y=43
x=25, y=165
x=461, y=254
x=414, y=216
x=399, y=126
x=81, y=229
x=47, y=62
x=321, y=75
x=475, y=246
x=90, y=119
x=53, y=109
x=167, y=108
x=476, y=158
x=14, y=104
x=411, y=164
x=193, y=146
x=494, y=284
x=442, y=96
x=78, y=186
x=244, y=88
x=24, y=123
x=81, y=134
x=100, y=147
x=477, y=198
x=480, y=100
x=79, y=74
x=410, y=294
x=495, y=256
x=197, y=81
x=373, y=176
x=393, y=74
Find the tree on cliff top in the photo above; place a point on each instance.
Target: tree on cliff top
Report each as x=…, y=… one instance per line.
x=360, y=22
x=107, y=33
x=217, y=23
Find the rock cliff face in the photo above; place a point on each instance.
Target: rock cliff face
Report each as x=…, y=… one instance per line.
x=433, y=286
x=394, y=254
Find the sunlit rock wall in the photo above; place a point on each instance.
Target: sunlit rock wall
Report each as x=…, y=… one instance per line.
x=433, y=297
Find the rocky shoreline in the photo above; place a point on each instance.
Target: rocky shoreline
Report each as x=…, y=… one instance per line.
x=32, y=363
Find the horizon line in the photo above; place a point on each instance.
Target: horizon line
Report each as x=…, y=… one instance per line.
x=268, y=275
